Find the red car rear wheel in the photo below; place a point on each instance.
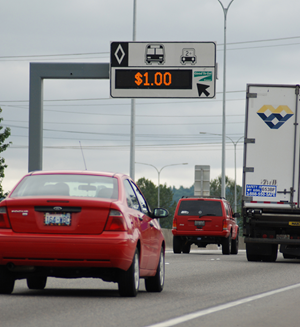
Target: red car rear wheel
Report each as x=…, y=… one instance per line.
x=7, y=282
x=129, y=280
x=156, y=283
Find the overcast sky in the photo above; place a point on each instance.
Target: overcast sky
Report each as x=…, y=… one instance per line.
x=263, y=47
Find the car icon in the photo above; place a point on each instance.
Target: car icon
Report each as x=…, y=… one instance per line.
x=188, y=55
x=155, y=53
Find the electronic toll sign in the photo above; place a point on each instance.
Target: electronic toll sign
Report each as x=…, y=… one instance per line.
x=163, y=69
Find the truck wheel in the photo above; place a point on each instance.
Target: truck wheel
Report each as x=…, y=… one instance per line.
x=226, y=245
x=156, y=283
x=7, y=283
x=129, y=281
x=273, y=256
x=235, y=245
x=186, y=248
x=253, y=257
x=176, y=244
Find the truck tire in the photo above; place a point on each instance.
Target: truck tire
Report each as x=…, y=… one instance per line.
x=289, y=256
x=253, y=257
x=226, y=245
x=235, y=245
x=272, y=256
x=177, y=244
x=252, y=254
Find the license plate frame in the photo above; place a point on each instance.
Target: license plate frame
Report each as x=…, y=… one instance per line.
x=199, y=223
x=57, y=219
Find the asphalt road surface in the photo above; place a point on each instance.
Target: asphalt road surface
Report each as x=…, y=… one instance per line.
x=203, y=288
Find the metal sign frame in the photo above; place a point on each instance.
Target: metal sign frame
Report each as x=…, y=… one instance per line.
x=39, y=72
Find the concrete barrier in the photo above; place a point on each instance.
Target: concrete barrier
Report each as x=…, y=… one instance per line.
x=169, y=241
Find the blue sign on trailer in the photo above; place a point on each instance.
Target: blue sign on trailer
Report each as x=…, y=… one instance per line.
x=261, y=190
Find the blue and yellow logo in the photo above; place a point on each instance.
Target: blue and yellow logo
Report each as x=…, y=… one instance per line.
x=275, y=118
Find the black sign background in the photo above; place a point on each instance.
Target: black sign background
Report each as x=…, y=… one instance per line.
x=181, y=79
x=113, y=48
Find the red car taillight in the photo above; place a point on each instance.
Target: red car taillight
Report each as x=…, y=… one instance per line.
x=225, y=226
x=174, y=226
x=4, y=222
x=116, y=221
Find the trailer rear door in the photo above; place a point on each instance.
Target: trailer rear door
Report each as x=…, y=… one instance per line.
x=271, y=152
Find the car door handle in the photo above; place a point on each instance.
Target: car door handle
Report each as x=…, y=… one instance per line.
x=151, y=224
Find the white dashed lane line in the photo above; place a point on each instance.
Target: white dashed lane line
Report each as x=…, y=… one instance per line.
x=197, y=314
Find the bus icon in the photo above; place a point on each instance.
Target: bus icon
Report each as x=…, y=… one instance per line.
x=155, y=53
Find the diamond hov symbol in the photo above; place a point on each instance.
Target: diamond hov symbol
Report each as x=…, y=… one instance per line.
x=119, y=54
x=275, y=118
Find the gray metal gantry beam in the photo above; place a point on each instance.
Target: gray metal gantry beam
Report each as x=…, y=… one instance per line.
x=39, y=72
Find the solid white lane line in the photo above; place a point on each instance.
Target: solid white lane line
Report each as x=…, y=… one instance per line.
x=197, y=314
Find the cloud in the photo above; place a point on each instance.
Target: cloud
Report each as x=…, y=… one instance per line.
x=167, y=130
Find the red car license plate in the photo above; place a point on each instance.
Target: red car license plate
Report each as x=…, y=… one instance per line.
x=57, y=219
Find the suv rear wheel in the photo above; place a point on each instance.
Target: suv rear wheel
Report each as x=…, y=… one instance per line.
x=235, y=245
x=186, y=248
x=226, y=245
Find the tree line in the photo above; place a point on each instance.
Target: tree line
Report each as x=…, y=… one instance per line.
x=169, y=196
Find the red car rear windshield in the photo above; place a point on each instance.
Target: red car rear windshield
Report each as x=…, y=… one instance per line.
x=68, y=185
x=200, y=208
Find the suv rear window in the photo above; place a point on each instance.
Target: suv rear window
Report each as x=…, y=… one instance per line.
x=200, y=208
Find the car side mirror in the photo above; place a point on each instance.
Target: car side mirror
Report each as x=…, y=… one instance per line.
x=236, y=215
x=160, y=213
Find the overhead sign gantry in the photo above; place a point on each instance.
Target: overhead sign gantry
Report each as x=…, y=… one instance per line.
x=163, y=69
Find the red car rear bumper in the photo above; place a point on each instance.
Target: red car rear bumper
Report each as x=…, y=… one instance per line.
x=109, y=250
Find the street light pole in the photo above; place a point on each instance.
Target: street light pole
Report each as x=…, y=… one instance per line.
x=132, y=121
x=225, y=10
x=234, y=145
x=158, y=175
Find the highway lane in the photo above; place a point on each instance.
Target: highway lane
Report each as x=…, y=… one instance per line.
x=201, y=280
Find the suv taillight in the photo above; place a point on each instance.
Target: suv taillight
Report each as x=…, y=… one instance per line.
x=174, y=226
x=4, y=222
x=225, y=226
x=116, y=222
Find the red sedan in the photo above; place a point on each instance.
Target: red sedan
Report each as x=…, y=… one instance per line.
x=69, y=224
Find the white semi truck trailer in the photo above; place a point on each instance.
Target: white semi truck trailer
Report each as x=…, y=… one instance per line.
x=271, y=178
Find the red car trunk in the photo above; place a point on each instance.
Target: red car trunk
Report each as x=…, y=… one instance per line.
x=53, y=215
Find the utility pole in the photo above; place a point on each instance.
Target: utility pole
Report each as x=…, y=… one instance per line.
x=132, y=122
x=223, y=185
